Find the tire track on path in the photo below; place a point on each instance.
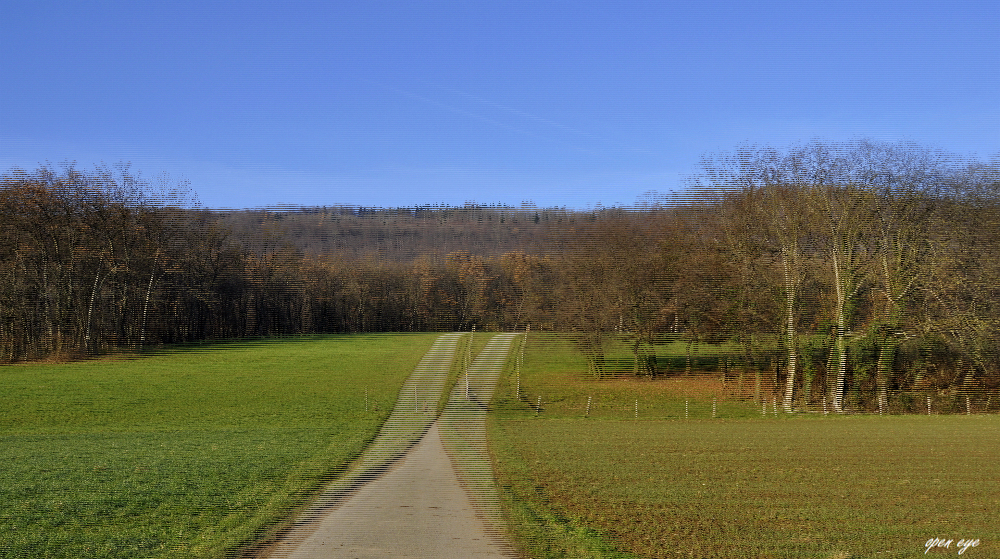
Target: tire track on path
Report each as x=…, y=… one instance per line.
x=413, y=500
x=463, y=429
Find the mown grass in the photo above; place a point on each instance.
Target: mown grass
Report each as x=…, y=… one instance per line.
x=741, y=485
x=186, y=453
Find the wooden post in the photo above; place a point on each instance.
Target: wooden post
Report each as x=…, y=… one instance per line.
x=588, y=407
x=524, y=342
x=468, y=352
x=518, y=371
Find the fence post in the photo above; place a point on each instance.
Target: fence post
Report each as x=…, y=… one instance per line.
x=928, y=405
x=714, y=401
x=524, y=342
x=588, y=407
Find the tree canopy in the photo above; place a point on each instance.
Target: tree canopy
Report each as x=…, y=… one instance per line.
x=871, y=267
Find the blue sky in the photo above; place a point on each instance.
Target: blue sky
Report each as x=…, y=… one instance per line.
x=570, y=104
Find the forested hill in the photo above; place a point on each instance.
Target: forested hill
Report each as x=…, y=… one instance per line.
x=860, y=268
x=404, y=235
x=397, y=234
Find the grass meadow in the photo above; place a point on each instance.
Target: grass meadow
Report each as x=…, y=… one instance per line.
x=739, y=485
x=190, y=452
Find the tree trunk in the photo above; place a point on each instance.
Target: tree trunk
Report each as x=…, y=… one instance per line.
x=790, y=333
x=145, y=307
x=838, y=395
x=886, y=353
x=887, y=349
x=687, y=368
x=643, y=361
x=644, y=357
x=90, y=311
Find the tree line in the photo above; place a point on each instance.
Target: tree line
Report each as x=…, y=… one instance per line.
x=843, y=272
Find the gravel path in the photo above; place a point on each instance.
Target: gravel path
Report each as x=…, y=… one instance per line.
x=434, y=499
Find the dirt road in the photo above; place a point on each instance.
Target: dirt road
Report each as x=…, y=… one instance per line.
x=429, y=503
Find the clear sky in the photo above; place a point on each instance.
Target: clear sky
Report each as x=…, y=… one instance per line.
x=407, y=103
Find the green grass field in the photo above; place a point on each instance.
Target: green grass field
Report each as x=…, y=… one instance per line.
x=739, y=486
x=198, y=451
x=191, y=452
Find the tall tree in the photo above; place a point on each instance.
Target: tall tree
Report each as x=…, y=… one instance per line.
x=768, y=185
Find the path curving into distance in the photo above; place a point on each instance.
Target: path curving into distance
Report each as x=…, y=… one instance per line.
x=408, y=496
